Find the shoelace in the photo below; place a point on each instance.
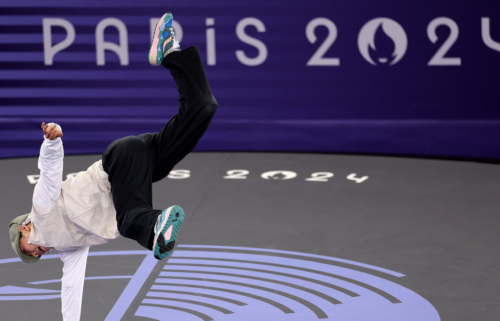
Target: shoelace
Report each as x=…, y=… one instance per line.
x=158, y=223
x=175, y=47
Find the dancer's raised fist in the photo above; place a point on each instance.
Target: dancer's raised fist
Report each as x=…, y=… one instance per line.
x=52, y=131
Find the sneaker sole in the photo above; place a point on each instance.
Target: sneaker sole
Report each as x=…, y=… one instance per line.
x=172, y=231
x=167, y=214
x=153, y=54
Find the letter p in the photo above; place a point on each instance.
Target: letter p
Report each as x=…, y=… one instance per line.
x=48, y=50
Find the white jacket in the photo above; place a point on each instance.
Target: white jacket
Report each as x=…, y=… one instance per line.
x=83, y=214
x=71, y=216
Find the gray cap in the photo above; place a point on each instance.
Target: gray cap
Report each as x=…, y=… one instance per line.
x=14, y=226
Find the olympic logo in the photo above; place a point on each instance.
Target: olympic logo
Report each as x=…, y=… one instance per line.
x=392, y=29
x=238, y=283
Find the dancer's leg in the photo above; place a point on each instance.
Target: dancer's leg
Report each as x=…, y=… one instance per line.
x=129, y=162
x=134, y=163
x=196, y=109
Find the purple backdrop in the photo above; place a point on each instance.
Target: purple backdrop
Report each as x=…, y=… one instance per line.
x=419, y=78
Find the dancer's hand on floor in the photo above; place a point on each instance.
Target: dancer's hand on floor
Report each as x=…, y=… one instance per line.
x=52, y=131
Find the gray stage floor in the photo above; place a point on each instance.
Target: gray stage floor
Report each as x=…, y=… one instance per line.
x=285, y=237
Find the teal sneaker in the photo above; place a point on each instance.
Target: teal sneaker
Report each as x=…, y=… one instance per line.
x=166, y=228
x=163, y=41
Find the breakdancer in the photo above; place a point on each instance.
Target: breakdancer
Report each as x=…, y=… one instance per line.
x=114, y=196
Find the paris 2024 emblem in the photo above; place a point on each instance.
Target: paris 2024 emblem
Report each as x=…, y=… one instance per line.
x=380, y=28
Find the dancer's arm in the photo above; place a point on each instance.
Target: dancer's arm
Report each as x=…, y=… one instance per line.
x=50, y=163
x=75, y=263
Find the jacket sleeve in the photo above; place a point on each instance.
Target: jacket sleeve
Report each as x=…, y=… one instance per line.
x=48, y=187
x=75, y=263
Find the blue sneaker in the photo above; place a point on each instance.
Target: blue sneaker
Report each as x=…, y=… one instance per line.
x=163, y=41
x=168, y=224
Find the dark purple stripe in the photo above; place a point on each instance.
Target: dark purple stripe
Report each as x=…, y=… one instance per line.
x=142, y=29
x=112, y=65
x=79, y=102
x=245, y=105
x=37, y=48
x=154, y=12
x=140, y=83
x=83, y=83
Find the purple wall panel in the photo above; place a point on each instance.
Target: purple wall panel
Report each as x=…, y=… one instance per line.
x=385, y=93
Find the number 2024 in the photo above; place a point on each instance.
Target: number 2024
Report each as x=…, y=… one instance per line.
x=286, y=175
x=438, y=59
x=272, y=175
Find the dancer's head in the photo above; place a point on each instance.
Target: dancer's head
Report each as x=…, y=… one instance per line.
x=19, y=236
x=27, y=248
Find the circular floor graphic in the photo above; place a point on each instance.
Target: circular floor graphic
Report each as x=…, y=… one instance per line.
x=276, y=236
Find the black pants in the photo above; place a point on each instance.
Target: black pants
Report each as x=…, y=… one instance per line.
x=134, y=163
